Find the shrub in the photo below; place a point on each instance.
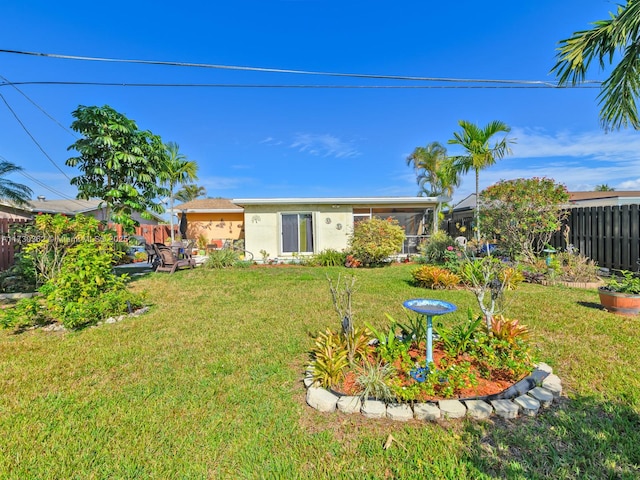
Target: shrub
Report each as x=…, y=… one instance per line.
x=330, y=258
x=26, y=312
x=374, y=240
x=222, y=258
x=432, y=276
x=76, y=260
x=434, y=249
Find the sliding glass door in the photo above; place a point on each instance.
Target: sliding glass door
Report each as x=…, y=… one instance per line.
x=297, y=232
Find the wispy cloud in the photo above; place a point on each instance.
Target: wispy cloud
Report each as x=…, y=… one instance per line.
x=578, y=160
x=324, y=145
x=613, y=146
x=271, y=141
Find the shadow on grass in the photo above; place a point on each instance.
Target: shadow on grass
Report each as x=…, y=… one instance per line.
x=595, y=305
x=578, y=438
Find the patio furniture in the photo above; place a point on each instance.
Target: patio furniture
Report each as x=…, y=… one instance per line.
x=169, y=261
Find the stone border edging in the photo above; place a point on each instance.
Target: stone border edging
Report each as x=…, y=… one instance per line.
x=526, y=396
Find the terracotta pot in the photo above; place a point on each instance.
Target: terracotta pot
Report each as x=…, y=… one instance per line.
x=620, y=303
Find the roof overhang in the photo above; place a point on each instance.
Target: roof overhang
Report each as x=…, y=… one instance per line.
x=380, y=201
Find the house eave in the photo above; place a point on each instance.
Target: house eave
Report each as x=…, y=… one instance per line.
x=409, y=201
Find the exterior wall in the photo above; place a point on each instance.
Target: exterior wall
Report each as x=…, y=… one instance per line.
x=215, y=226
x=331, y=227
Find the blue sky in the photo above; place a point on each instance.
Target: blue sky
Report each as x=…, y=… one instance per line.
x=286, y=142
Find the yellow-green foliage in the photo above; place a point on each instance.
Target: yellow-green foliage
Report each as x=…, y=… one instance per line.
x=330, y=358
x=508, y=329
x=437, y=278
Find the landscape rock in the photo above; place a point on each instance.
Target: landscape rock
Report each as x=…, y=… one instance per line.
x=528, y=404
x=426, y=411
x=400, y=412
x=374, y=409
x=321, y=399
x=505, y=408
x=544, y=396
x=349, y=404
x=478, y=409
x=452, y=408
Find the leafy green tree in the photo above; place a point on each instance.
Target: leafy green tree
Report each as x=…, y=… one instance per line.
x=480, y=153
x=179, y=171
x=620, y=34
x=603, y=187
x=120, y=164
x=11, y=191
x=190, y=192
x=434, y=168
x=525, y=213
x=373, y=241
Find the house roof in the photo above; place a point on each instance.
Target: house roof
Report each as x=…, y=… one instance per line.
x=467, y=203
x=413, y=201
x=208, y=205
x=581, y=196
x=66, y=207
x=70, y=207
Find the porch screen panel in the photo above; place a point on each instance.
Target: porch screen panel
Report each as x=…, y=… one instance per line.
x=289, y=233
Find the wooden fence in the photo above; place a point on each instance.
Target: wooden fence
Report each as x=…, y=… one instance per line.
x=608, y=235
x=8, y=241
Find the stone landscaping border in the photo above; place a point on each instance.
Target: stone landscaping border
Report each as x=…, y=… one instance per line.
x=527, y=396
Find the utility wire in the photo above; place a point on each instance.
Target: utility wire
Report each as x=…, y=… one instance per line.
x=279, y=70
x=7, y=82
x=42, y=184
x=283, y=86
x=33, y=138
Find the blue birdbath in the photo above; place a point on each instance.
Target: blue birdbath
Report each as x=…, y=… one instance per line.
x=430, y=308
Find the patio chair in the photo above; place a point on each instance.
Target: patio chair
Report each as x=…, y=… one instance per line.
x=168, y=261
x=152, y=258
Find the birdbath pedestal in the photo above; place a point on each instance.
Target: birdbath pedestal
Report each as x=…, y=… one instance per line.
x=429, y=308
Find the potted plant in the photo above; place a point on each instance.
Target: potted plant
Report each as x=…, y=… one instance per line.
x=621, y=294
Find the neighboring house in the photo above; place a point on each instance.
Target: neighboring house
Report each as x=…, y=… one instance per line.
x=94, y=208
x=282, y=227
x=603, y=199
x=217, y=220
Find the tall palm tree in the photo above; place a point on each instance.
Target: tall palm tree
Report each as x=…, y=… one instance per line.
x=179, y=171
x=190, y=192
x=434, y=168
x=619, y=92
x=603, y=187
x=480, y=154
x=12, y=192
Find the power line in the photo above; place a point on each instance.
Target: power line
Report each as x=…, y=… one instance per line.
x=7, y=82
x=42, y=184
x=281, y=70
x=32, y=137
x=293, y=86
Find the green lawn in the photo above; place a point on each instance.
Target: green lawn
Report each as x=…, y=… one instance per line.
x=208, y=385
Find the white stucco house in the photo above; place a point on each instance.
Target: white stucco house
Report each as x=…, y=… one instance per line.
x=282, y=227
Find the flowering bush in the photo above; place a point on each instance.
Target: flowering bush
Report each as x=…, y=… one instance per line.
x=373, y=241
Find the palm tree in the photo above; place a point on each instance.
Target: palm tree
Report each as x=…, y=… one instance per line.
x=190, y=192
x=179, y=171
x=603, y=188
x=433, y=167
x=12, y=192
x=619, y=92
x=479, y=153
